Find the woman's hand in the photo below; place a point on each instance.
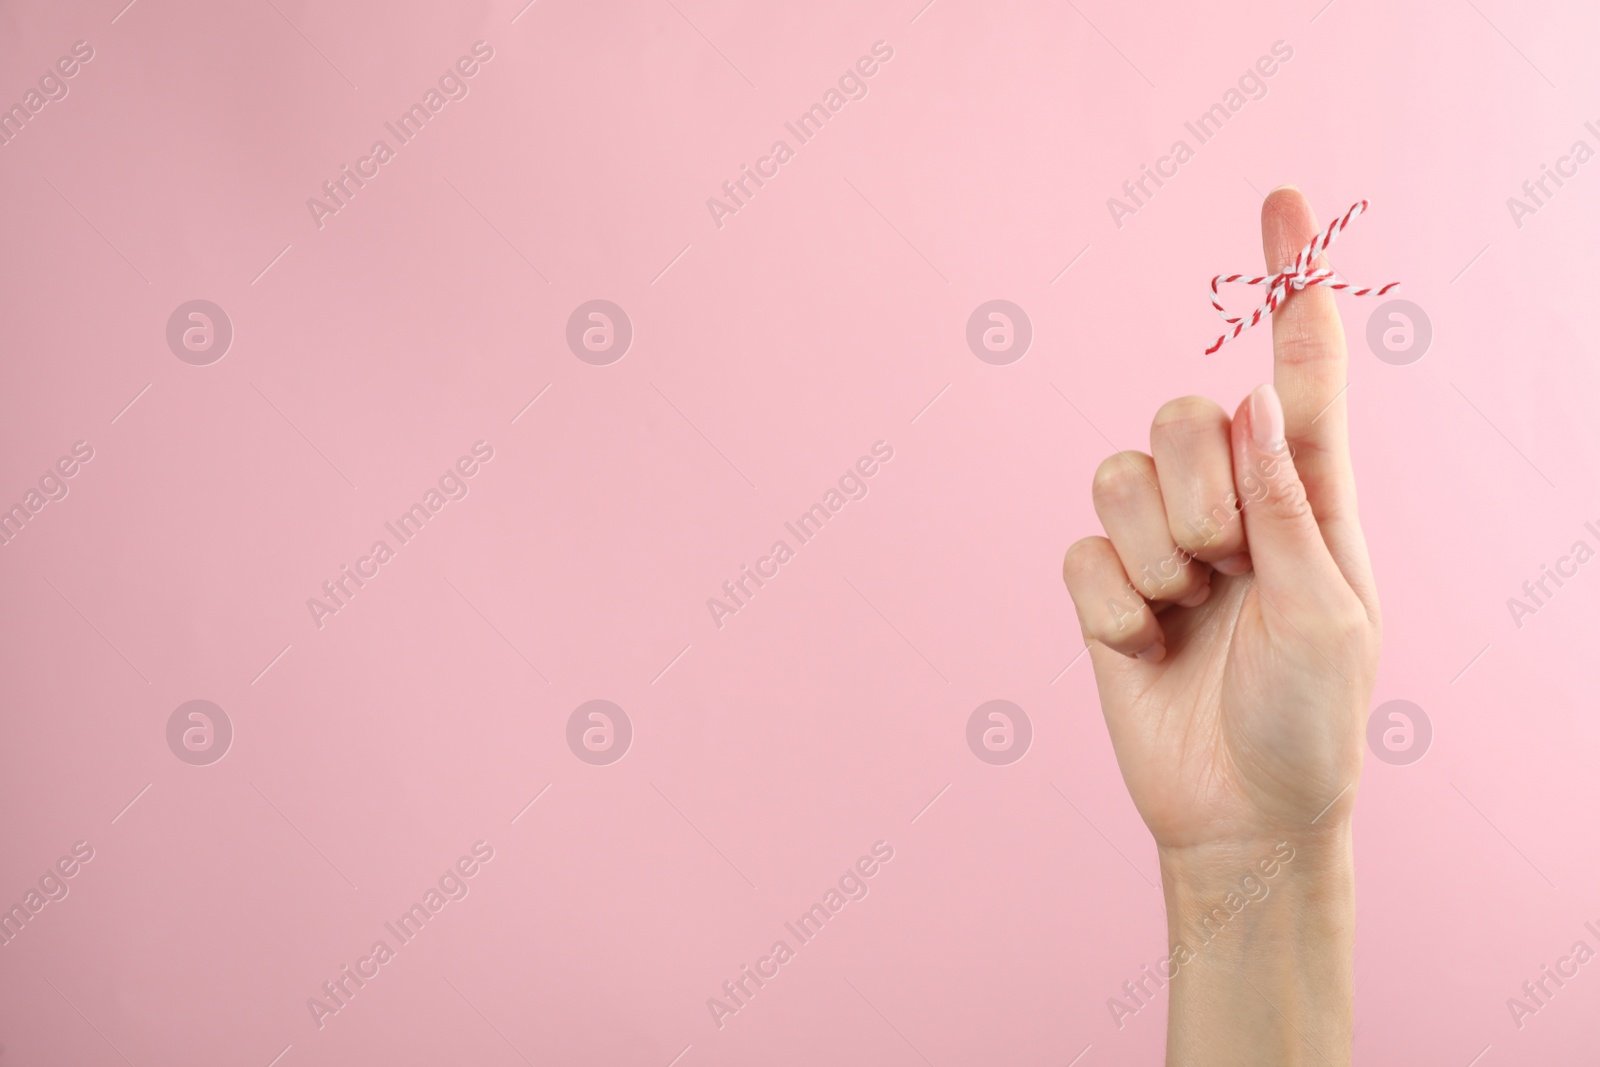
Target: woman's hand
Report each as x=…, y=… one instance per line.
x=1235, y=649
x=1233, y=624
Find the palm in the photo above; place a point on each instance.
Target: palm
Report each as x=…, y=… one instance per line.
x=1204, y=747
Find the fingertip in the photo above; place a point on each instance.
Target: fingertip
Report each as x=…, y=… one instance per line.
x=1287, y=223
x=1284, y=197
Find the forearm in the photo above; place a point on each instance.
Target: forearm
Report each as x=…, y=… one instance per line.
x=1263, y=961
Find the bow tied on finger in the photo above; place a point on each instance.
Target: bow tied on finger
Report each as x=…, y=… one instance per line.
x=1297, y=276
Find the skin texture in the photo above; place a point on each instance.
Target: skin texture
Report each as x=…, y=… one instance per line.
x=1233, y=623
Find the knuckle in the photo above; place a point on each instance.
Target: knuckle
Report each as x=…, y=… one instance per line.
x=1168, y=578
x=1200, y=534
x=1117, y=479
x=1308, y=340
x=1186, y=415
x=1082, y=556
x=1122, y=618
x=1286, y=501
x=1290, y=502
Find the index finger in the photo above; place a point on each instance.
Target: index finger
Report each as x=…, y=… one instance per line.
x=1309, y=364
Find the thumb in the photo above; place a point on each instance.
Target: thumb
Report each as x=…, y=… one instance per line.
x=1292, y=563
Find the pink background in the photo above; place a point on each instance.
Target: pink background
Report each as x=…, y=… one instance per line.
x=768, y=354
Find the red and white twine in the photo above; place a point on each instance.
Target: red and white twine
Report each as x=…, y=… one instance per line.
x=1296, y=276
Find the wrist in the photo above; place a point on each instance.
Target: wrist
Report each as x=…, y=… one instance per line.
x=1261, y=932
x=1198, y=876
x=1238, y=901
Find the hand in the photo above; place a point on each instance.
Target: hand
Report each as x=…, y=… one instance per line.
x=1235, y=679
x=1233, y=624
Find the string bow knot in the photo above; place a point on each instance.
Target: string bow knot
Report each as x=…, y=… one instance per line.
x=1297, y=276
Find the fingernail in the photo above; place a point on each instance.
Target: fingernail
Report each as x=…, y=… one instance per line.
x=1196, y=598
x=1154, y=654
x=1266, y=418
x=1281, y=188
x=1233, y=565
